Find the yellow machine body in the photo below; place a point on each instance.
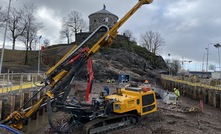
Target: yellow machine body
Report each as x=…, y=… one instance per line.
x=133, y=99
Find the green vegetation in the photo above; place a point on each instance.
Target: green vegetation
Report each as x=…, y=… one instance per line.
x=51, y=55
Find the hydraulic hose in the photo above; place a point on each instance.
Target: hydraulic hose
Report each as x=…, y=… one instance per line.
x=58, y=130
x=10, y=129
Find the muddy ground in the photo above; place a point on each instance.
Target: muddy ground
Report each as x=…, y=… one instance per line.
x=177, y=119
x=169, y=119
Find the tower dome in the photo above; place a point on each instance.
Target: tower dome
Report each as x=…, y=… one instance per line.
x=101, y=17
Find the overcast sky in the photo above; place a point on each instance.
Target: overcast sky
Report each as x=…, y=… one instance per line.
x=187, y=26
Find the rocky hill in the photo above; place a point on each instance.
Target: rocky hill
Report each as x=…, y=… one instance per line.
x=109, y=62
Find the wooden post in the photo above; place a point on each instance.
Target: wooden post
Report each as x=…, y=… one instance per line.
x=220, y=101
x=209, y=96
x=0, y=109
x=194, y=93
x=205, y=96
x=22, y=99
x=12, y=103
x=214, y=99
x=21, y=82
x=30, y=95
x=3, y=83
x=7, y=82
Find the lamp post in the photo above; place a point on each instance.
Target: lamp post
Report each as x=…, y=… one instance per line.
x=169, y=63
x=39, y=53
x=218, y=46
x=203, y=64
x=185, y=61
x=3, y=46
x=207, y=59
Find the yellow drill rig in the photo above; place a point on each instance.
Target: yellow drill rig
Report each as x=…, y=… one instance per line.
x=103, y=114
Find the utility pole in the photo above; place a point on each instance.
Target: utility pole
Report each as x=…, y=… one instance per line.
x=3, y=46
x=218, y=46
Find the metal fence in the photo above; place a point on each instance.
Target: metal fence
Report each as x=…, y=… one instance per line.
x=18, y=81
x=194, y=81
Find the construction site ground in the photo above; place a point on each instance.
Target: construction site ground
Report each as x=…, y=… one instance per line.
x=177, y=119
x=169, y=119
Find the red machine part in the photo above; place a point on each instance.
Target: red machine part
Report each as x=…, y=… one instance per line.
x=90, y=79
x=90, y=71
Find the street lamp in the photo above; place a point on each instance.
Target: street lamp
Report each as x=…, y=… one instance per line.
x=39, y=52
x=3, y=46
x=185, y=61
x=203, y=62
x=169, y=63
x=207, y=59
x=218, y=46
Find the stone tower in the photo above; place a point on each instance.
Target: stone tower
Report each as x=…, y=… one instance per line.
x=101, y=17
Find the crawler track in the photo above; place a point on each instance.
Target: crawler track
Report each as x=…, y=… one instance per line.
x=110, y=123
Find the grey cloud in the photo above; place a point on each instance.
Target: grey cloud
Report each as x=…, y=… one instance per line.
x=186, y=25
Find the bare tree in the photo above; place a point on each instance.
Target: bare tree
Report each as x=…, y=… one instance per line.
x=175, y=66
x=32, y=27
x=152, y=41
x=46, y=42
x=65, y=31
x=16, y=25
x=76, y=22
x=72, y=23
x=212, y=67
x=2, y=17
x=129, y=34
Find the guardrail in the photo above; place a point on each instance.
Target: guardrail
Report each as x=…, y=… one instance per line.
x=193, y=82
x=18, y=81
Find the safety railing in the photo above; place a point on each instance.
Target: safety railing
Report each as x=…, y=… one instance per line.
x=207, y=83
x=18, y=81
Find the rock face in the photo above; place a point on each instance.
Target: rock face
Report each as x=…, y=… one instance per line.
x=122, y=57
x=111, y=62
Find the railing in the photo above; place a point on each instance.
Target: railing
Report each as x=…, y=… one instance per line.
x=18, y=81
x=194, y=81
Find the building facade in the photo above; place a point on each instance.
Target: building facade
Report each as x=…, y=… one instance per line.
x=101, y=17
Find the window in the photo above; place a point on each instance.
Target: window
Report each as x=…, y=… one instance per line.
x=147, y=99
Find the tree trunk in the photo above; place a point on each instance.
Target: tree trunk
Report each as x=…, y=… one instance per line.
x=68, y=40
x=13, y=44
x=26, y=56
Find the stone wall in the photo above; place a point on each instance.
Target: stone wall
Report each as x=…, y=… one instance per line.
x=80, y=37
x=95, y=20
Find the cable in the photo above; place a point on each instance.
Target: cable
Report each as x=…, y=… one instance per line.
x=60, y=131
x=9, y=128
